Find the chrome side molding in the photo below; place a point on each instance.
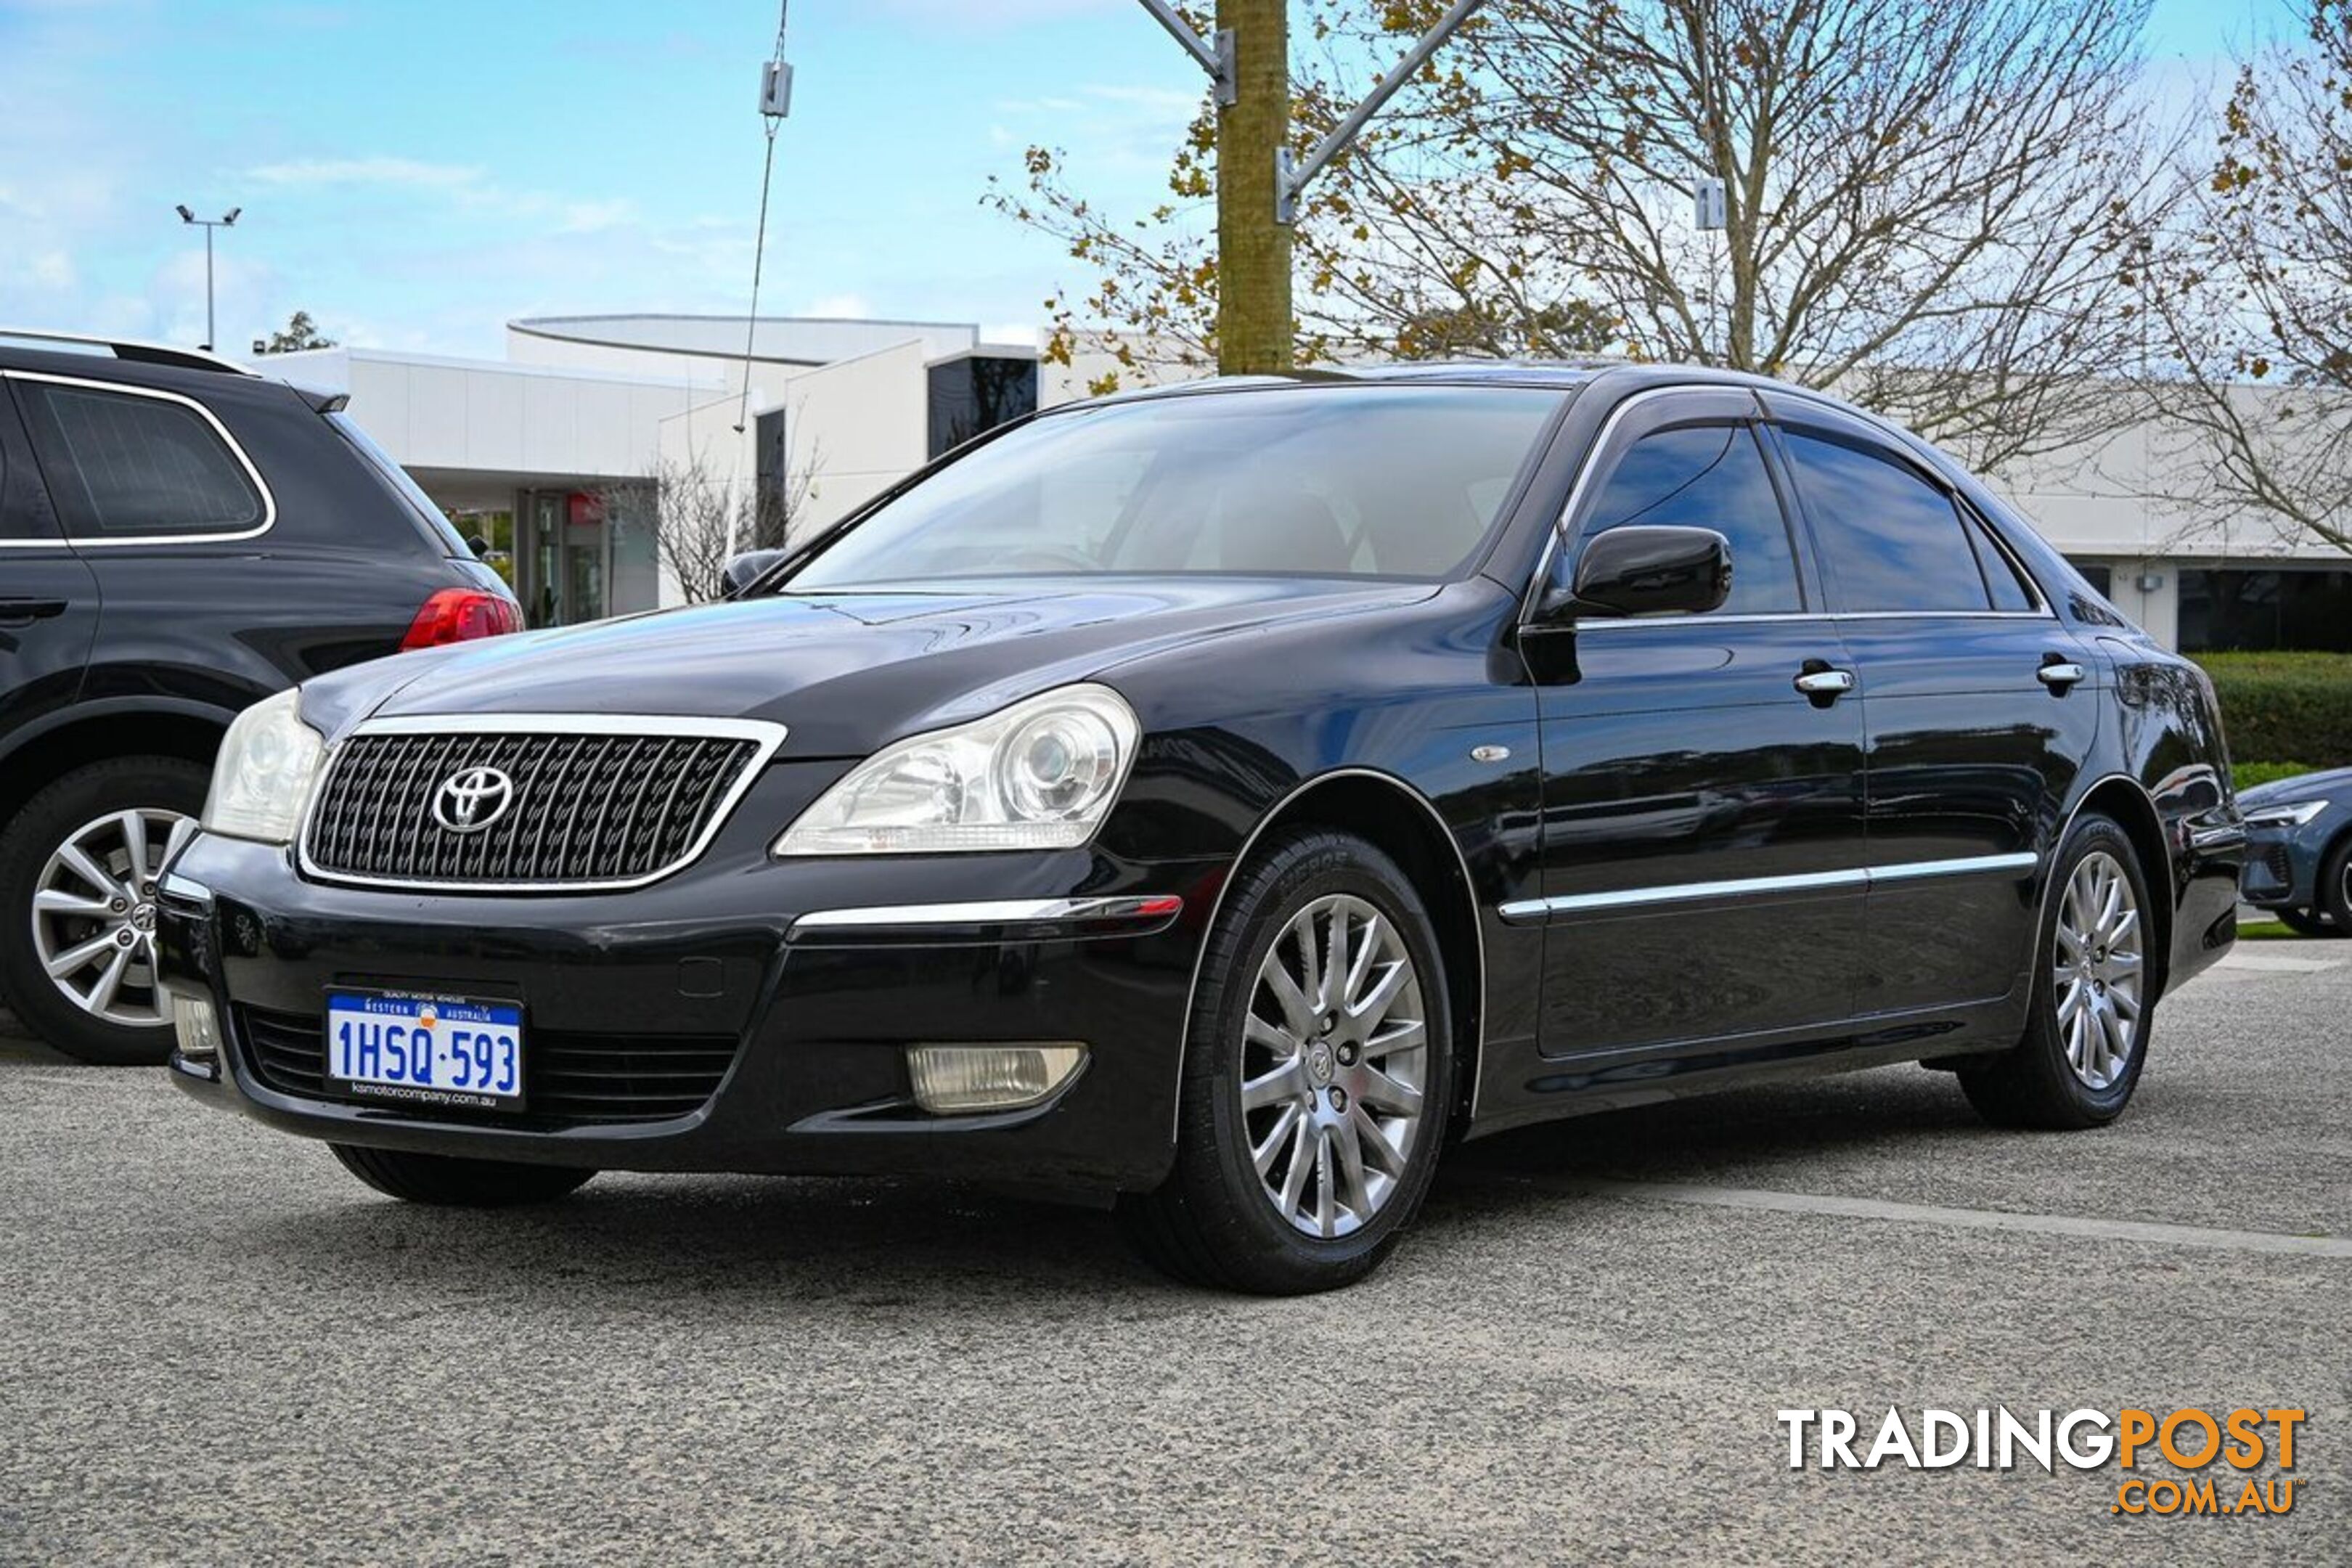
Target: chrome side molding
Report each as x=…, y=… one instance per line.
x=1149, y=909
x=1535, y=911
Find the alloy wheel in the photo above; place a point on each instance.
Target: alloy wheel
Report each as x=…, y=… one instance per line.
x=94, y=913
x=2098, y=971
x=1334, y=1059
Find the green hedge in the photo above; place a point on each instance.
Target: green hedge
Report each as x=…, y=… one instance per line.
x=2286, y=705
x=2246, y=775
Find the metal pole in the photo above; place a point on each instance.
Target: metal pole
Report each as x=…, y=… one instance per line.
x=1291, y=181
x=208, y=288
x=1216, y=58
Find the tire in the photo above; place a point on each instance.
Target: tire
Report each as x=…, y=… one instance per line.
x=106, y=1010
x=2307, y=923
x=448, y=1181
x=2038, y=1083
x=1321, y=1077
x=2333, y=896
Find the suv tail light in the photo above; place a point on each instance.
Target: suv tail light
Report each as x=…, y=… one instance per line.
x=459, y=615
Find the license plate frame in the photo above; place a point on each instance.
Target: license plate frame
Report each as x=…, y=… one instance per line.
x=476, y=1059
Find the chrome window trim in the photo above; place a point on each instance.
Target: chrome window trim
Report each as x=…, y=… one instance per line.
x=1537, y=911
x=998, y=912
x=768, y=737
x=112, y=541
x=1241, y=858
x=1708, y=618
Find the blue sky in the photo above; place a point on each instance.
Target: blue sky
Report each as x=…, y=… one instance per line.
x=416, y=173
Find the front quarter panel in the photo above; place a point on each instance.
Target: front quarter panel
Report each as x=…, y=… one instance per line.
x=1241, y=728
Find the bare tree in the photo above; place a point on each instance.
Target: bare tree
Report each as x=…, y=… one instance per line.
x=2253, y=296
x=702, y=519
x=1929, y=205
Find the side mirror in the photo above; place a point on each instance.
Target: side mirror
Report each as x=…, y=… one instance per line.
x=479, y=545
x=745, y=569
x=1644, y=571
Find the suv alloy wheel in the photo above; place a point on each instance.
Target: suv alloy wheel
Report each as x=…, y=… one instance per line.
x=77, y=870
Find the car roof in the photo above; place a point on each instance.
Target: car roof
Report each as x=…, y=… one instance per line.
x=1611, y=378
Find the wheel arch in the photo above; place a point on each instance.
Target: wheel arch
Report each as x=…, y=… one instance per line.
x=1366, y=802
x=2127, y=802
x=95, y=732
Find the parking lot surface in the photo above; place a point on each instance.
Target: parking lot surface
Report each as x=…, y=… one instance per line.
x=218, y=1348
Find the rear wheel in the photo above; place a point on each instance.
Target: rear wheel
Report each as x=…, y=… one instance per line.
x=77, y=869
x=2086, y=1038
x=447, y=1180
x=1318, y=1072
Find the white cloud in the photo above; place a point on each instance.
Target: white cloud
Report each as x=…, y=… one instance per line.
x=847, y=306
x=409, y=173
x=985, y=14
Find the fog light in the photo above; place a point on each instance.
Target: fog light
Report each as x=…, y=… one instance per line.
x=952, y=1080
x=196, y=1026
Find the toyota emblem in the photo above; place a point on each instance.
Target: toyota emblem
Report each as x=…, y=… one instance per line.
x=471, y=800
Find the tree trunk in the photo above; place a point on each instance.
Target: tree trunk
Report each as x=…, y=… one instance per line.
x=1253, y=319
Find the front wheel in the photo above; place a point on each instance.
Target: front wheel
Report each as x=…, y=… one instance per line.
x=2334, y=893
x=447, y=1180
x=2307, y=923
x=78, y=872
x=1318, y=1072
x=2093, y=996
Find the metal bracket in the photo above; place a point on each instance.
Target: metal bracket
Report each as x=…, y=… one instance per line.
x=1216, y=58
x=1292, y=175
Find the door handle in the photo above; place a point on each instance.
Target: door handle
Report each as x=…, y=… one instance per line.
x=30, y=609
x=1825, y=682
x=2059, y=674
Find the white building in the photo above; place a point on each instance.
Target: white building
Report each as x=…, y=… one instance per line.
x=584, y=408
x=582, y=405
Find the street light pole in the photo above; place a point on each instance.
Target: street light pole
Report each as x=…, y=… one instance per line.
x=208, y=224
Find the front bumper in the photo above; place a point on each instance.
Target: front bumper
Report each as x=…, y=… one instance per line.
x=801, y=1021
x=2275, y=876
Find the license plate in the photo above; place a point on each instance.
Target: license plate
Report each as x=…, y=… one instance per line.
x=420, y=1048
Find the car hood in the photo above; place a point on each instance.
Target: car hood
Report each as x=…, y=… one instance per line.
x=844, y=671
x=2334, y=784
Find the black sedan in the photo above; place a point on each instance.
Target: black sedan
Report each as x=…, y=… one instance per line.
x=1219, y=799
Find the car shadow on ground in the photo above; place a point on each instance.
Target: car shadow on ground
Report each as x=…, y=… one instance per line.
x=887, y=1242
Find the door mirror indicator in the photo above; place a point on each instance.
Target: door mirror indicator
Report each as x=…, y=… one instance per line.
x=1643, y=571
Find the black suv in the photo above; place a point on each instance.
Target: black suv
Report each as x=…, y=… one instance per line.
x=179, y=537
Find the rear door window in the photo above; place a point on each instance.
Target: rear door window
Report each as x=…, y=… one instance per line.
x=124, y=465
x=1891, y=541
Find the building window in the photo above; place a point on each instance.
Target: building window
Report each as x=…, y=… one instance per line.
x=976, y=392
x=2287, y=607
x=2099, y=575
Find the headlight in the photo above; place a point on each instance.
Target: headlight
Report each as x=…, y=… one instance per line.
x=2290, y=816
x=1039, y=775
x=262, y=780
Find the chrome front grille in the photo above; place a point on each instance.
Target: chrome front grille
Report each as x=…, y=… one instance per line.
x=585, y=802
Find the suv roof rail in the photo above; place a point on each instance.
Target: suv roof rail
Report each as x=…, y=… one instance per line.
x=130, y=349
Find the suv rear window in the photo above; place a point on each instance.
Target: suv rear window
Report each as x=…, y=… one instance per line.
x=125, y=465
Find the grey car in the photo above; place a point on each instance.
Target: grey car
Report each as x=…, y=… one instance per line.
x=2299, y=852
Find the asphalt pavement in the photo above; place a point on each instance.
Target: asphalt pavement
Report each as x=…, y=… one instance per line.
x=216, y=1347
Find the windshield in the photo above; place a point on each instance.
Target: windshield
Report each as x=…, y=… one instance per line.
x=1325, y=481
